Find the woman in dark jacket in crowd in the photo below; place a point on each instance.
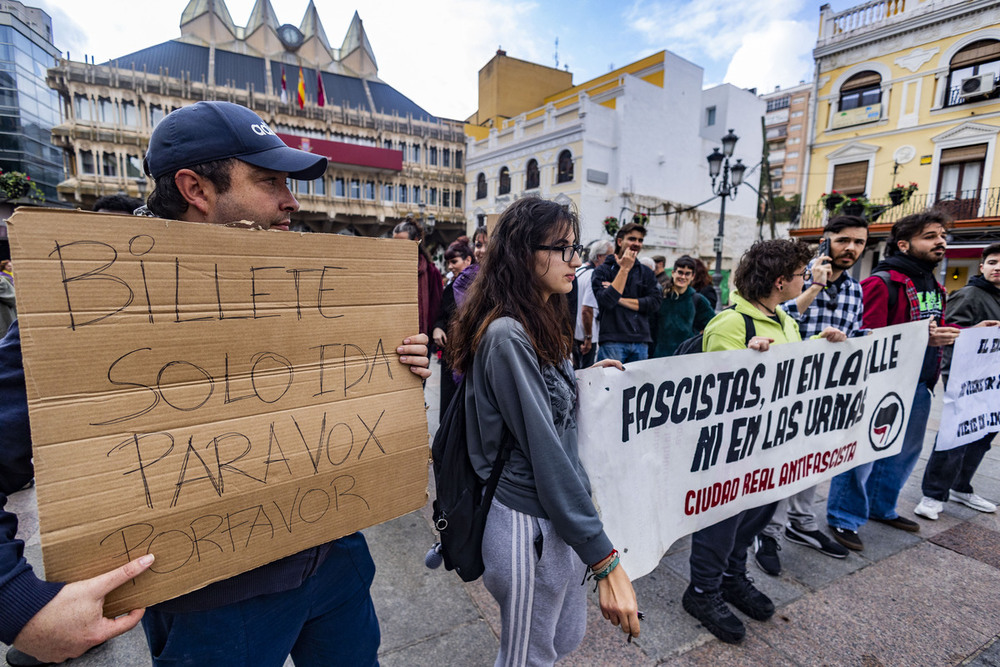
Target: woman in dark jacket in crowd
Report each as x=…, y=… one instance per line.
x=460, y=261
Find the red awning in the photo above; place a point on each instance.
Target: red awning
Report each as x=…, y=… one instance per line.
x=349, y=154
x=965, y=252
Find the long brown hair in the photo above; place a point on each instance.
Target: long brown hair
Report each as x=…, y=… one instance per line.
x=507, y=285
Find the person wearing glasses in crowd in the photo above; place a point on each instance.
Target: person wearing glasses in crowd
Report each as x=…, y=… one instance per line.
x=513, y=345
x=831, y=299
x=769, y=273
x=683, y=312
x=628, y=294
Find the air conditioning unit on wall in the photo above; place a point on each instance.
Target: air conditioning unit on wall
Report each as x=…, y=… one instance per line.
x=974, y=86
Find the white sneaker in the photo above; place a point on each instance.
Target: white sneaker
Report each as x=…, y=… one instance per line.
x=929, y=508
x=973, y=501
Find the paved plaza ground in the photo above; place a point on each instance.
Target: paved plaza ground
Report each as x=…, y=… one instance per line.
x=927, y=598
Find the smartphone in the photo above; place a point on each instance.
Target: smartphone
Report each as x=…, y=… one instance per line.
x=824, y=248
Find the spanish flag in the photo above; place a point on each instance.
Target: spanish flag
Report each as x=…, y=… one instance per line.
x=302, y=90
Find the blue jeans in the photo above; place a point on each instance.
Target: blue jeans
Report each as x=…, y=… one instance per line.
x=328, y=620
x=871, y=489
x=623, y=352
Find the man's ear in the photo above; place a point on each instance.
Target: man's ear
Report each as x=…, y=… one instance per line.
x=197, y=190
x=903, y=246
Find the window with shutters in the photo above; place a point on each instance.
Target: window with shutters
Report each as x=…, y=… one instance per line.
x=531, y=175
x=565, y=167
x=974, y=73
x=504, y=181
x=481, y=186
x=960, y=180
x=850, y=178
x=861, y=90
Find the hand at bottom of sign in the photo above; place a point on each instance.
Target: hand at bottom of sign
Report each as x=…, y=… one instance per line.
x=760, y=343
x=73, y=621
x=617, y=600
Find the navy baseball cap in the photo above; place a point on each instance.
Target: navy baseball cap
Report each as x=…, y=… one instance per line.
x=207, y=131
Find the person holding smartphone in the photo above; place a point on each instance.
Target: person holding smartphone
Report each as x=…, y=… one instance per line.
x=831, y=299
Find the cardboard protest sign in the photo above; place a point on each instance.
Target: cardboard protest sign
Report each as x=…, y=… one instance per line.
x=678, y=444
x=972, y=396
x=220, y=397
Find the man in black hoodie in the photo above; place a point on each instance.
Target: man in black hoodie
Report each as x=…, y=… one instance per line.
x=901, y=289
x=949, y=471
x=627, y=294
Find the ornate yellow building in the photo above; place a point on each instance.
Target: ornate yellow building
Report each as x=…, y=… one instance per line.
x=907, y=91
x=388, y=157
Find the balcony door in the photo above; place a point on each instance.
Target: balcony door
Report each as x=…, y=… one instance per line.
x=961, y=180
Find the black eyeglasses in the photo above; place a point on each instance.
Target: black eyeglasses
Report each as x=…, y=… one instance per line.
x=567, y=250
x=806, y=275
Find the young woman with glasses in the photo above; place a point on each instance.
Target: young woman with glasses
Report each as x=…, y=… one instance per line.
x=543, y=533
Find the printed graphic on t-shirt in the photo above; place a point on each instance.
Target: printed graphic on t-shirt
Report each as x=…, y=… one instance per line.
x=562, y=398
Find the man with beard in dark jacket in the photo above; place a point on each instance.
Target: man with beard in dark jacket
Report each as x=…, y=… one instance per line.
x=948, y=475
x=628, y=294
x=901, y=289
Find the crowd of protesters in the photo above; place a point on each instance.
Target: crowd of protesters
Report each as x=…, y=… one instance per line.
x=520, y=306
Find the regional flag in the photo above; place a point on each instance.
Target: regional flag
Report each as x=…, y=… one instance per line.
x=320, y=93
x=302, y=90
x=284, y=86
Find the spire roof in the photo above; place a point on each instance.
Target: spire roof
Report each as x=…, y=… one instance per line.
x=356, y=39
x=311, y=25
x=196, y=8
x=262, y=14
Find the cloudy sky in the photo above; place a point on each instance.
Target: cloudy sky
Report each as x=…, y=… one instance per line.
x=432, y=50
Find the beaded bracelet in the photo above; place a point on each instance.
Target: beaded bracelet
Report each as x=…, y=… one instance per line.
x=606, y=570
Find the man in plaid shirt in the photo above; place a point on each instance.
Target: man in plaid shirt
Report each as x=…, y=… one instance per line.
x=832, y=299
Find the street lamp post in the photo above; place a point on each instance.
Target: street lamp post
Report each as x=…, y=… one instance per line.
x=725, y=188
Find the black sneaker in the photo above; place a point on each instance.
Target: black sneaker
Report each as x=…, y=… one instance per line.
x=18, y=658
x=739, y=591
x=714, y=614
x=765, y=551
x=899, y=522
x=848, y=538
x=817, y=540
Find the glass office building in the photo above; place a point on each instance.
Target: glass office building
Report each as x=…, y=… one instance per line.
x=29, y=109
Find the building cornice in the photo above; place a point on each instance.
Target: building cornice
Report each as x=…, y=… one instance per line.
x=919, y=21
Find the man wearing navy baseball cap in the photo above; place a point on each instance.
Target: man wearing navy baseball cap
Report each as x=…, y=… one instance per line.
x=213, y=162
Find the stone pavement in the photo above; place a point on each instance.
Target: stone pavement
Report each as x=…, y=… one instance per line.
x=929, y=598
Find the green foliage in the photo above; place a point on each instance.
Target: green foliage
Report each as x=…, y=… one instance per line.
x=17, y=184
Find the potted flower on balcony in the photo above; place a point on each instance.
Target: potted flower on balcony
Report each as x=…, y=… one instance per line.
x=856, y=206
x=611, y=225
x=16, y=184
x=902, y=193
x=640, y=219
x=832, y=200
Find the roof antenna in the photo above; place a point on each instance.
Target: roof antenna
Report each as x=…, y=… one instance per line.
x=557, y=53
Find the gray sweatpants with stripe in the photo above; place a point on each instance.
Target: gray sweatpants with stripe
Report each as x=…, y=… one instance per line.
x=543, y=606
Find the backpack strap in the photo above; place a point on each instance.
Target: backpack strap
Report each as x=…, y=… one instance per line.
x=751, y=328
x=893, y=293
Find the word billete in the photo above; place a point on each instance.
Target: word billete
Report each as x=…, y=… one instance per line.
x=840, y=376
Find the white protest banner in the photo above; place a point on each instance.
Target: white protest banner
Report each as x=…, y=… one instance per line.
x=972, y=396
x=219, y=397
x=674, y=445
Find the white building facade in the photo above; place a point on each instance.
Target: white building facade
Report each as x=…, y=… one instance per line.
x=632, y=141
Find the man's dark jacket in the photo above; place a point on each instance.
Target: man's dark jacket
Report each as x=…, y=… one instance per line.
x=620, y=324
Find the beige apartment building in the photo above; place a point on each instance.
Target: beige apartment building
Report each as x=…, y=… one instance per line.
x=786, y=128
x=389, y=158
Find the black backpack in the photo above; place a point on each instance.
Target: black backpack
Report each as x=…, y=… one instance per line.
x=693, y=345
x=463, y=500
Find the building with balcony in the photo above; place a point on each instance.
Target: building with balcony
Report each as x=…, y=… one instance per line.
x=786, y=129
x=388, y=157
x=908, y=92
x=633, y=140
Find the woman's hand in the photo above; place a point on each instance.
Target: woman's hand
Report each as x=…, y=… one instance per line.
x=760, y=343
x=833, y=334
x=440, y=337
x=609, y=363
x=617, y=600
x=413, y=353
